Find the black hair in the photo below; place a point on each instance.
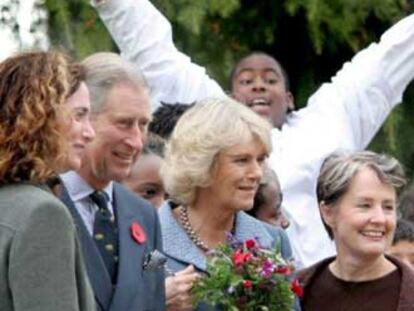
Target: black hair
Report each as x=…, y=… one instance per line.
x=165, y=118
x=404, y=231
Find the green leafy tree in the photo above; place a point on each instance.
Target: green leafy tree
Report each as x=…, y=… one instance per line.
x=75, y=27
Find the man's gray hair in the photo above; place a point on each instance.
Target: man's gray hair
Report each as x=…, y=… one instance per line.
x=339, y=169
x=104, y=70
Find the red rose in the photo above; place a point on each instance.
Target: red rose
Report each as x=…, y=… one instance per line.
x=247, y=284
x=247, y=257
x=283, y=270
x=238, y=258
x=297, y=288
x=250, y=244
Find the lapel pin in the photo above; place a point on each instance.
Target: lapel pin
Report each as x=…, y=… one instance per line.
x=138, y=233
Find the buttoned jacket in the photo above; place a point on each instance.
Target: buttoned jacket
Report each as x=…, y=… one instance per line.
x=135, y=289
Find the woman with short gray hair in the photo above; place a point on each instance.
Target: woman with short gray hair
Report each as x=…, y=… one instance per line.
x=357, y=195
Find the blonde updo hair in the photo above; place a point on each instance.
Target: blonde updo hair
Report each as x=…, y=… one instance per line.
x=200, y=135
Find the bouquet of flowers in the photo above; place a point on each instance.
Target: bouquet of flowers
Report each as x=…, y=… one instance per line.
x=245, y=276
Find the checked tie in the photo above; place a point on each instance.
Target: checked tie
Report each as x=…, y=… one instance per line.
x=105, y=233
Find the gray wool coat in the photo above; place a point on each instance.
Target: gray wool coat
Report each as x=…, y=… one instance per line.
x=41, y=267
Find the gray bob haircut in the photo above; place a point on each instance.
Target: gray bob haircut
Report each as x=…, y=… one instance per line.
x=103, y=71
x=338, y=171
x=199, y=136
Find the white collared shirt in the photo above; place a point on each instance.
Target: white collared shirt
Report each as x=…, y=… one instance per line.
x=79, y=191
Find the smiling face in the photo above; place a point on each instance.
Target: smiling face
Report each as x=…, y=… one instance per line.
x=121, y=130
x=235, y=176
x=80, y=131
x=364, y=219
x=258, y=83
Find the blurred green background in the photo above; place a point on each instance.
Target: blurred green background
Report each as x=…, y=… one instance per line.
x=311, y=38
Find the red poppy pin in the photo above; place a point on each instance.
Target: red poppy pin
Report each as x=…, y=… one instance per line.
x=138, y=233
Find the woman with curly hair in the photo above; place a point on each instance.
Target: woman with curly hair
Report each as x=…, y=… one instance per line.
x=44, y=126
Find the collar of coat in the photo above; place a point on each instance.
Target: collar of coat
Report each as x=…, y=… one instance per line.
x=179, y=246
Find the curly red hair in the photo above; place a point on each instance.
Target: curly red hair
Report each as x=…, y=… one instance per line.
x=33, y=89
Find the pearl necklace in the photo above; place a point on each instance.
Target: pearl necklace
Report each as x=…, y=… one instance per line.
x=185, y=222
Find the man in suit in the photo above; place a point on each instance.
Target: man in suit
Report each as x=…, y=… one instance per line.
x=117, y=229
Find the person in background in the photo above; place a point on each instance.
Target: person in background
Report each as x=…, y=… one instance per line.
x=145, y=179
x=211, y=175
x=358, y=196
x=118, y=230
x=343, y=114
x=44, y=127
x=165, y=117
x=267, y=205
x=403, y=243
x=260, y=82
x=406, y=208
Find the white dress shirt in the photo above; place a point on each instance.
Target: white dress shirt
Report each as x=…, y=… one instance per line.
x=343, y=114
x=79, y=191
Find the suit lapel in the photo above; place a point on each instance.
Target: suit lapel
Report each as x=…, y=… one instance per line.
x=97, y=273
x=131, y=253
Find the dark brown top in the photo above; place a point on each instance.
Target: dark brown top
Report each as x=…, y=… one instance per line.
x=327, y=292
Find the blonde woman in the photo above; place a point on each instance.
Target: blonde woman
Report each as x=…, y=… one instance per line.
x=212, y=170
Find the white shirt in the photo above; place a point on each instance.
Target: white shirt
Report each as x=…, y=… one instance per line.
x=79, y=191
x=344, y=114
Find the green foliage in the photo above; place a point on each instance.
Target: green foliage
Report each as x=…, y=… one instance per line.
x=311, y=38
x=342, y=20
x=191, y=14
x=75, y=26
